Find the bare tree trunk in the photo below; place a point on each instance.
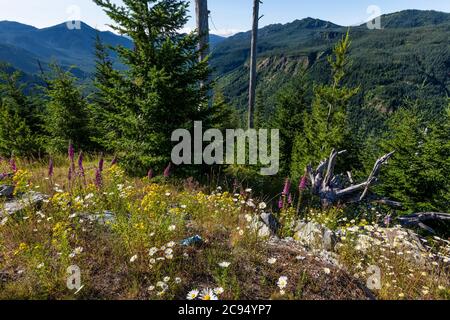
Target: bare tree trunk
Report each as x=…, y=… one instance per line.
x=252, y=85
x=202, y=15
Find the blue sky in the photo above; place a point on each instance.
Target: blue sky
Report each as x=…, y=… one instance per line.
x=227, y=16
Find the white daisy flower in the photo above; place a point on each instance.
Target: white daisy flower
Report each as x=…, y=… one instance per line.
x=192, y=295
x=272, y=261
x=153, y=251
x=208, y=294
x=171, y=244
x=133, y=258
x=162, y=285
x=89, y=196
x=282, y=282
x=224, y=264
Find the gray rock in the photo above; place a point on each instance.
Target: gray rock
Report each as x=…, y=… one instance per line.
x=270, y=221
x=29, y=199
x=329, y=240
x=315, y=236
x=403, y=240
x=6, y=191
x=106, y=218
x=329, y=257
x=266, y=225
x=264, y=231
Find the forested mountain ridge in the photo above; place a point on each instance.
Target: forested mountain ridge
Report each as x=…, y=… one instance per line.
x=23, y=46
x=408, y=57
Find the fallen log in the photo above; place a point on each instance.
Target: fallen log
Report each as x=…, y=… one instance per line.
x=422, y=219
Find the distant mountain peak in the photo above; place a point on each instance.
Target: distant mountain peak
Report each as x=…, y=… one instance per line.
x=414, y=18
x=13, y=26
x=70, y=26
x=312, y=23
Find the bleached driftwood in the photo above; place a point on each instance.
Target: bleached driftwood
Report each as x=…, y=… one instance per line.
x=332, y=188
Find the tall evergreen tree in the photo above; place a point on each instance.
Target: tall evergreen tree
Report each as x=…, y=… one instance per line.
x=418, y=173
x=106, y=103
x=222, y=116
x=160, y=90
x=292, y=102
x=19, y=117
x=67, y=115
x=326, y=126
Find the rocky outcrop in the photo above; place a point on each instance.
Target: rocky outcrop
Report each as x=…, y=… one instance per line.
x=315, y=236
x=266, y=225
x=28, y=199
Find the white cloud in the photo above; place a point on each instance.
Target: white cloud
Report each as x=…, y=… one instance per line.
x=226, y=32
x=219, y=32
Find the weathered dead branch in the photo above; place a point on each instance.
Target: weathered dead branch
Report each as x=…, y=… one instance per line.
x=422, y=219
x=331, y=187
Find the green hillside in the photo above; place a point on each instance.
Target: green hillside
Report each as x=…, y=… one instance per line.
x=408, y=58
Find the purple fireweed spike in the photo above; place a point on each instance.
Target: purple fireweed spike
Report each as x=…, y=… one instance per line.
x=150, y=174
x=71, y=152
x=290, y=199
x=50, y=168
x=167, y=171
x=13, y=165
x=387, y=221
x=280, y=203
x=101, y=163
x=287, y=187
x=303, y=183
x=98, y=178
x=80, y=164
x=69, y=175
x=114, y=161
